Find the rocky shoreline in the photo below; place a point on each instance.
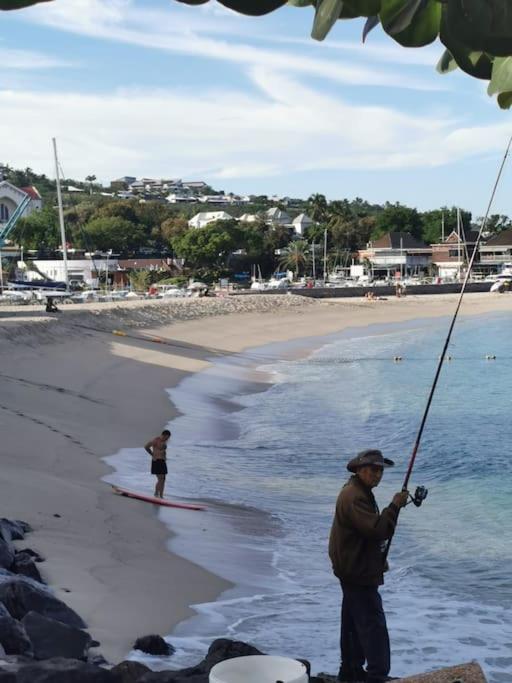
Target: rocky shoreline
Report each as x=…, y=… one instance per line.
x=42, y=640
x=33, y=326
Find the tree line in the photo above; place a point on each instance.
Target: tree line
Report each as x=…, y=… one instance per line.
x=155, y=228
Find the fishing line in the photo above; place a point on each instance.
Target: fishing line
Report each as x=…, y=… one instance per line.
x=448, y=336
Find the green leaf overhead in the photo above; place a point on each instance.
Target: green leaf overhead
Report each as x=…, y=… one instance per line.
x=255, y=8
x=501, y=81
x=505, y=100
x=359, y=8
x=412, y=23
x=477, y=34
x=447, y=63
x=327, y=13
x=482, y=25
x=18, y=4
x=473, y=62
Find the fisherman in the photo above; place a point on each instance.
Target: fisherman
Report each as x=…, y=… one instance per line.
x=356, y=548
x=157, y=449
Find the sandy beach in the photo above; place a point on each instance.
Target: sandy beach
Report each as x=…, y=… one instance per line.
x=73, y=393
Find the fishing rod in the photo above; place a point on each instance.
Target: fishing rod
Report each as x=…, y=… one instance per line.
x=421, y=492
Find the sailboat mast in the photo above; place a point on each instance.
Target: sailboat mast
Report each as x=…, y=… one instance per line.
x=459, y=256
x=325, y=256
x=61, y=216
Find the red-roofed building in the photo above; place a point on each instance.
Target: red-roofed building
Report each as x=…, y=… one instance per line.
x=32, y=192
x=397, y=252
x=11, y=196
x=452, y=255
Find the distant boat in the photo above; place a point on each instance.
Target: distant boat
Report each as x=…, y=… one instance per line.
x=503, y=279
x=35, y=285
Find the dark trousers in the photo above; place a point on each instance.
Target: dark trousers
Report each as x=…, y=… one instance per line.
x=364, y=634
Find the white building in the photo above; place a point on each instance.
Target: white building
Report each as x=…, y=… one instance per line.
x=397, y=252
x=12, y=196
x=86, y=270
x=301, y=222
x=249, y=218
x=277, y=217
x=195, y=186
x=179, y=198
x=215, y=199
x=206, y=217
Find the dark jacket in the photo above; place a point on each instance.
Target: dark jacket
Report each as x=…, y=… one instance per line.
x=358, y=535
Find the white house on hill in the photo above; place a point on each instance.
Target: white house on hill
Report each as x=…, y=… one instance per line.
x=206, y=217
x=301, y=222
x=249, y=218
x=277, y=217
x=12, y=196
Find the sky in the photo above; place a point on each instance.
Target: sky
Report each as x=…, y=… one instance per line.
x=156, y=88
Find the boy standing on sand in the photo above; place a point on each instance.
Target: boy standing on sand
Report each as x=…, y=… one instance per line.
x=157, y=449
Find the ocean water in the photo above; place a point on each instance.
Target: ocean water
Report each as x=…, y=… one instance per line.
x=272, y=443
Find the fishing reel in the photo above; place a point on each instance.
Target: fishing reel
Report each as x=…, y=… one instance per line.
x=419, y=496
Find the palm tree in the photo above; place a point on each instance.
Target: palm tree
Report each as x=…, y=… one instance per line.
x=90, y=179
x=317, y=207
x=295, y=256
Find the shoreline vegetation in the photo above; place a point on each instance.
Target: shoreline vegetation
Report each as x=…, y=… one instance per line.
x=73, y=392
x=217, y=235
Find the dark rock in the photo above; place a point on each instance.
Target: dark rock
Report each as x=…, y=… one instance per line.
x=28, y=551
x=97, y=659
x=52, y=638
x=24, y=525
x=25, y=565
x=153, y=645
x=12, y=528
x=60, y=670
x=172, y=677
x=2, y=651
x=223, y=648
x=6, y=554
x=7, y=676
x=3, y=611
x=220, y=650
x=5, y=531
x=13, y=637
x=5, y=575
x=14, y=662
x=130, y=672
x=21, y=596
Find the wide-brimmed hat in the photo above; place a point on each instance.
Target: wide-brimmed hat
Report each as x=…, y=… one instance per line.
x=371, y=456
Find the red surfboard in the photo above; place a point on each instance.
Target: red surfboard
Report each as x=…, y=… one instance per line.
x=156, y=501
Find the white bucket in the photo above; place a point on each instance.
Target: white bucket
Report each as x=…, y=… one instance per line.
x=259, y=669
